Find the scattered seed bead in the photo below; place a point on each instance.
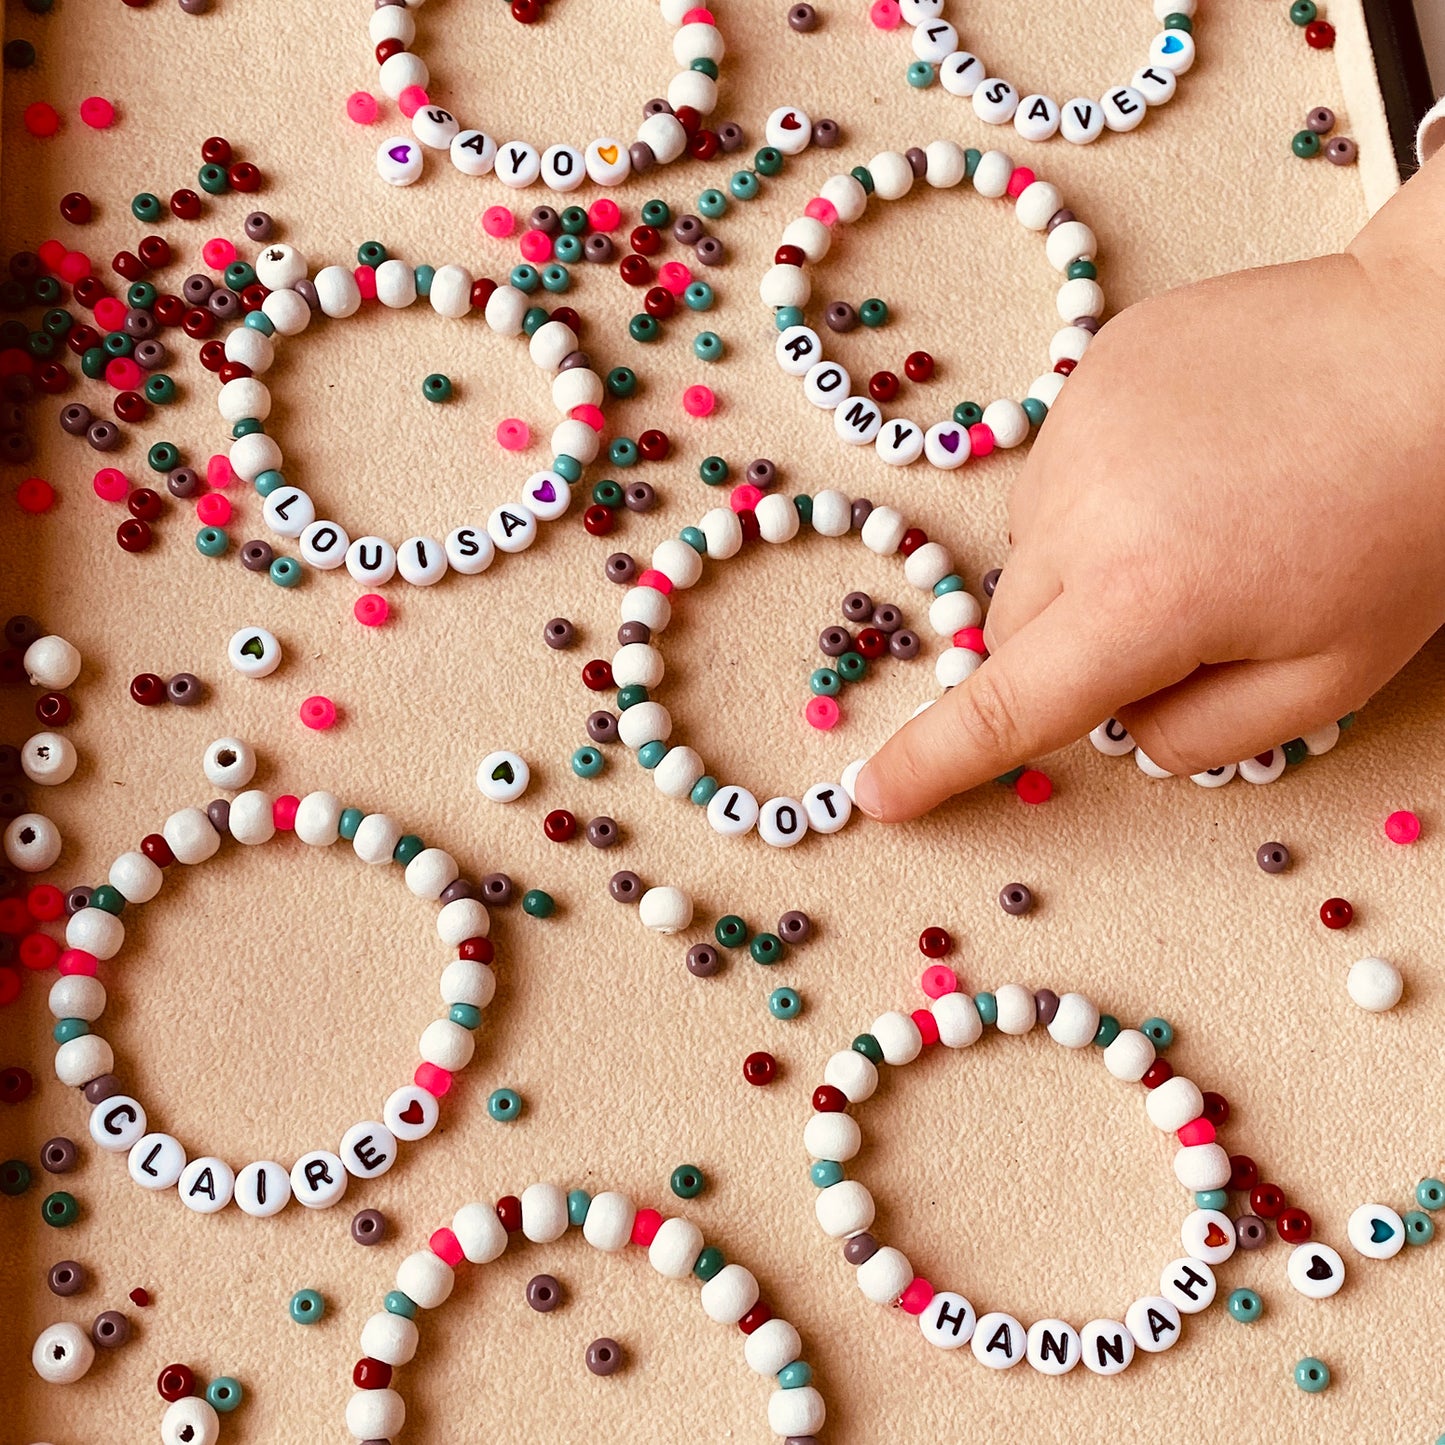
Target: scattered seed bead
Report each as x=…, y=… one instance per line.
x=935, y=942
x=59, y=1155
x=544, y=1294
x=703, y=960
x=785, y=1003
x=688, y=1181
x=437, y=387
x=67, y=1277
x=1312, y=1375
x=1402, y=827
x=371, y=610
x=224, y=1394
x=1250, y=1232
x=604, y=1356
x=1016, y=899
x=559, y=634
x=14, y=1177
x=504, y=1105
x=1430, y=1194
x=1336, y=913
x=175, y=1382
x=625, y=887
x=840, y=316
x=110, y=1330
x=1272, y=857
x=1245, y=1306
x=602, y=728
x=560, y=825
x=306, y=1308
x=368, y=1226
x=760, y=1068
x=802, y=18
x=1342, y=151
x=795, y=926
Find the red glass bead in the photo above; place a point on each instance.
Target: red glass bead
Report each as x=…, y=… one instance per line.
x=597, y=675
x=1266, y=1200
x=139, y=1297
x=935, y=942
x=645, y=1224
x=526, y=12
x=15, y=1085
x=1320, y=35
x=198, y=323
x=9, y=986
x=213, y=355
x=1216, y=1109
x=704, y=145
x=829, y=1100
x=144, y=503
x=1159, y=1072
x=169, y=310
x=232, y=371
x=387, y=48
x=654, y=445
x=509, y=1211
x=1336, y=913
x=689, y=119
x=147, y=689
x=245, y=177
x=635, y=270
x=789, y=256
x=559, y=825
x=912, y=540
x=81, y=338
x=926, y=1025
x=883, y=386
x=45, y=902
x=477, y=950
x=128, y=264
x=759, y=1315
x=760, y=1068
x=89, y=290
x=39, y=951
x=155, y=847
x=369, y=1374
x=35, y=495
x=176, y=1382
x=14, y=917
x=918, y=366
x=645, y=240
x=871, y=643
x=155, y=251
x=482, y=292
x=568, y=317
x=1033, y=786
x=253, y=297
x=1295, y=1225
x=133, y=535
x=1243, y=1173
x=1065, y=365
x=130, y=406
x=185, y=204
x=12, y=667
x=76, y=208
x=52, y=378
x=748, y=521
x=598, y=520
x=216, y=151
x=659, y=302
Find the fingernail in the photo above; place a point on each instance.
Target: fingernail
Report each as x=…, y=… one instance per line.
x=867, y=794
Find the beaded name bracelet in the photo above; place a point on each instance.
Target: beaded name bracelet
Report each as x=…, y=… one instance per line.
x=1175, y=1105
x=95, y=934
x=940, y=57
x=663, y=136
x=289, y=512
x=858, y=418
x=543, y=1213
x=637, y=668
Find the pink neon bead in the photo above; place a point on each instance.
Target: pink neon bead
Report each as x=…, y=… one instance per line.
x=1034, y=787
x=745, y=497
x=122, y=373
x=76, y=960
x=645, y=1225
x=698, y=400
x=939, y=979
x=821, y=210
x=213, y=510
x=366, y=282
x=110, y=313
x=411, y=100
x=674, y=276
x=658, y=581
x=51, y=253
x=361, y=107
x=980, y=439
x=535, y=246
x=914, y=1300
x=499, y=222
x=699, y=16
x=283, y=812
x=885, y=14
x=513, y=435
x=97, y=112
x=318, y=713
x=74, y=266
x=823, y=713
x=1196, y=1131
x=1402, y=827
x=1020, y=181
x=604, y=215
x=446, y=1246
x=590, y=414
x=927, y=1026
x=436, y=1081
x=971, y=638
x=110, y=484
x=371, y=610
x=218, y=471
x=218, y=253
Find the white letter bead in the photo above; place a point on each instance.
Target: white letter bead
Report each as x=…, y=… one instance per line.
x=885, y=1275
x=422, y=561
x=324, y=545
x=62, y=1354
x=991, y=174
x=431, y=871
x=732, y=811
x=206, y=1185
x=461, y=919
x=834, y=1136
x=482, y=1236
x=946, y=446
x=844, y=1209
x=371, y=561
x=368, y=1149
x=263, y=1189
x=135, y=877
x=999, y=1341
x=1037, y=118
x=318, y=819
x=116, y=1123
x=472, y=152
x=410, y=1113
x=782, y=822
x=857, y=420
x=469, y=549
x=772, y=1345
x=1129, y=1056
x=156, y=1161
x=826, y=384
x=544, y=1213
x=77, y=996
x=1199, y=1167
x=1208, y=1235
x=464, y=980
x=883, y=532
x=1376, y=1231
x=947, y=1321
x=563, y=168
x=1053, y=1346
x=644, y=722
x=1189, y=1285
x=1154, y=1323
x=376, y=838
x=1017, y=1010
x=675, y=1248
x=1156, y=84
x=995, y=101
x=1173, y=49
x=318, y=1180
x=961, y=73
x=827, y=807
x=1174, y=1103
x=899, y=442
x=1107, y=1347
x=897, y=1036
x=1315, y=1270
x=425, y=1278
x=796, y=1414
x=957, y=1018
x=608, y=1225
x=518, y=164
x=789, y=130
x=729, y=1294
x=375, y=1414
x=390, y=1338
x=1124, y=108
x=665, y=910
x=447, y=1045
x=797, y=350
x=853, y=1074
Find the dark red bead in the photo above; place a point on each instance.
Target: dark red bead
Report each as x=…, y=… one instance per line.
x=387, y=48
x=213, y=355
x=1266, y=1200
x=81, y=338
x=155, y=847
x=477, y=950
x=759, y=1315
x=155, y=251
x=635, y=270
x=748, y=521
x=704, y=145
x=829, y=1100
x=169, y=310
x=75, y=208
x=139, y=1297
x=1243, y=1173
x=253, y=297
x=130, y=406
x=560, y=826
x=216, y=151
x=369, y=1374
x=198, y=323
x=568, y=317
x=654, y=445
x=144, y=503
x=147, y=689
x=14, y=917
x=913, y=539
x=645, y=240
x=185, y=204
x=689, y=119
x=53, y=709
x=1320, y=35
x=245, y=177
x=935, y=942
x=1159, y=1072
x=883, y=386
x=760, y=1068
x=1295, y=1225
x=597, y=675
x=1336, y=913
x=482, y=292
x=133, y=535
x=128, y=264
x=176, y=1382
x=918, y=366
x=1216, y=1109
x=871, y=643
x=15, y=1085
x=232, y=371
x=598, y=520
x=659, y=302
x=12, y=667
x=52, y=378
x=526, y=12
x=88, y=290
x=789, y=256
x=509, y=1211
x=1065, y=366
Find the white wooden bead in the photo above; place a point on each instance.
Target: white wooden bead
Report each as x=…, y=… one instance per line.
x=637, y=664
x=1046, y=387
x=318, y=1180
x=1069, y=342
x=796, y=1413
x=446, y=1044
x=1037, y=118
x=252, y=820
x=469, y=549
x=885, y=1275
x=785, y=285
x=961, y=73
x=678, y=562
x=892, y=175
x=1072, y=241
x=833, y=1136
x=505, y=308
x=431, y=871
x=371, y=561
x=451, y=291
x=810, y=236
x=337, y=293
x=723, y=533
x=245, y=396
x=827, y=807
x=206, y=1185
x=608, y=1225
x=375, y=1414
x=1173, y=49
x=253, y=454
x=1017, y=1010
x=1200, y=1167
x=1315, y=1270
x=517, y=164
x=77, y=996
x=263, y=1189
x=1189, y=1285
x=947, y=164
x=482, y=1236
x=692, y=88
x=473, y=152
x=947, y=1321
x=774, y=1344
x=376, y=838
x=832, y=514
x=116, y=1123
x=544, y=1213
x=1153, y=1322
x=1036, y=205
x=954, y=611
x=675, y=1248
x=395, y=281
x=287, y=311
x=390, y=1338
x=78, y=1061
x=665, y=910
x=729, y=1294
x=563, y=168
x=1053, y=1346
x=679, y=770
x=778, y=519
x=928, y=565
x=549, y=343
x=853, y=1074
x=318, y=819
x=62, y=1354
x=251, y=348
x=883, y=532
x=897, y=1036
x=324, y=545
x=1174, y=1103
x=368, y=1149
x=279, y=267
x=1080, y=297
x=51, y=662
x=644, y=722
x=156, y=1161
x=956, y=665
x=426, y=1279
x=93, y=930
x=732, y=811
x=995, y=101
x=577, y=386
x=135, y=877
x=789, y=130
x=697, y=41
x=1106, y=1346
x=1075, y=1021
x=401, y=71
x=461, y=919
x=464, y=980
x=1374, y=984
x=648, y=606
x=958, y=1020
x=1129, y=1055
x=846, y=195
x=844, y=1209
x=664, y=133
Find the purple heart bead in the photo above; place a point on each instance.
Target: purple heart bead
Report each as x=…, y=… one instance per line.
x=545, y=493
x=400, y=154
x=950, y=440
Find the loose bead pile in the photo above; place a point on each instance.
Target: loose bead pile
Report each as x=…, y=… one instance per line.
x=882, y=634
x=794, y=928
x=972, y=430
x=543, y=1213
x=939, y=56
x=1340, y=151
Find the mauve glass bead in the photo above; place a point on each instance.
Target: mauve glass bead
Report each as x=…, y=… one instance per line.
x=834, y=641
x=857, y=607
x=827, y=134
x=1272, y=857
x=1250, y=1231
x=598, y=247
x=194, y=7
x=887, y=617
x=256, y=556
x=710, y=251
x=762, y=473
x=801, y=1440
x=110, y=1330
x=457, y=888
x=859, y=1249
x=258, y=226
x=688, y=230
x=917, y=159
x=545, y=220
x=75, y=419
x=1342, y=151
x=559, y=634
x=602, y=726
x=990, y=580
x=21, y=630
x=1046, y=1003
x=620, y=568
x=150, y=354
x=77, y=898
x=223, y=304
x=795, y=926
x=840, y=316
x=544, y=1294
x=1016, y=898
x=97, y=1091
x=1060, y=216
x=67, y=1277
x=368, y=1226
x=12, y=417
x=497, y=889
x=104, y=436
x=197, y=289
x=603, y=832
x=59, y=1155
x=703, y=960
x=802, y=18
x=604, y=1356
x=219, y=812
x=1321, y=120
x=185, y=689
x=730, y=136
x=625, y=887
x=306, y=290
x=862, y=509
x=138, y=323
x=641, y=155
x=633, y=632
x=655, y=106
x=574, y=359
x=640, y=497
x=1090, y=324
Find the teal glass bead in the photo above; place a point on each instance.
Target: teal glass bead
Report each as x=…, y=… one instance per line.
x=556, y=278
x=864, y=177
x=579, y=1201
x=952, y=583
x=41, y=346
x=825, y=682
x=371, y=253
x=787, y=316
x=1305, y=144
x=622, y=452
x=1419, y=1227
x=146, y=207
x=1245, y=1306
x=160, y=389
x=1179, y=21
x=525, y=278
x=852, y=667
x=644, y=329
x=1211, y=1198
x=224, y=1393
x=1158, y=1032
x=703, y=790
x=588, y=762
x=1085, y=270
x=873, y=312
x=213, y=180
x=45, y=291
x=1303, y=12
x=567, y=249
x=607, y=493
x=803, y=506
x=1430, y=1194
x=504, y=1105
x=140, y=296
x=824, y=1173
x=67, y=1029
x=651, y=754
x=795, y=1376
x=535, y=319
x=698, y=296
x=117, y=343
x=239, y=275
x=465, y=1014
x=285, y=572
x=407, y=847
x=743, y=185
x=212, y=541
x=247, y=426
x=712, y=203
x=731, y=931
x=437, y=387
x=1035, y=410
x=987, y=1006
x=1295, y=752
x=568, y=468
x=538, y=904
x=688, y=1181
x=350, y=822
x=621, y=381
x=93, y=362
x=108, y=898
x=968, y=413
x=768, y=161
x=704, y=66
x=694, y=538
x=259, y=321
x=869, y=1047
x=1346, y=723
x=656, y=213
x=397, y=1303
x=424, y=275
x=1107, y=1032
x=971, y=157
x=59, y=1210
x=766, y=948
x=630, y=696
x=57, y=321
x=921, y=75
x=307, y=1307
x=1312, y=1375
x=267, y=482
x=709, y=1263
x=785, y=1003
x=574, y=222
x=14, y=1177
x=707, y=346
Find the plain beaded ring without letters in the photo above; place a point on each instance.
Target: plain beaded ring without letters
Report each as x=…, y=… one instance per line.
x=289, y=512
x=1175, y=1105
x=663, y=136
x=938, y=55
x=95, y=934
x=609, y=1221
x=972, y=430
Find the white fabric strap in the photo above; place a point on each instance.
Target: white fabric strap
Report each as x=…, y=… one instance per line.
x=1432, y=132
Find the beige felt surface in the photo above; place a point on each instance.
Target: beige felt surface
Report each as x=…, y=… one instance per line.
x=265, y=1002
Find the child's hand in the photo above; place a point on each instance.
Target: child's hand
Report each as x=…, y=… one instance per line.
x=1231, y=529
